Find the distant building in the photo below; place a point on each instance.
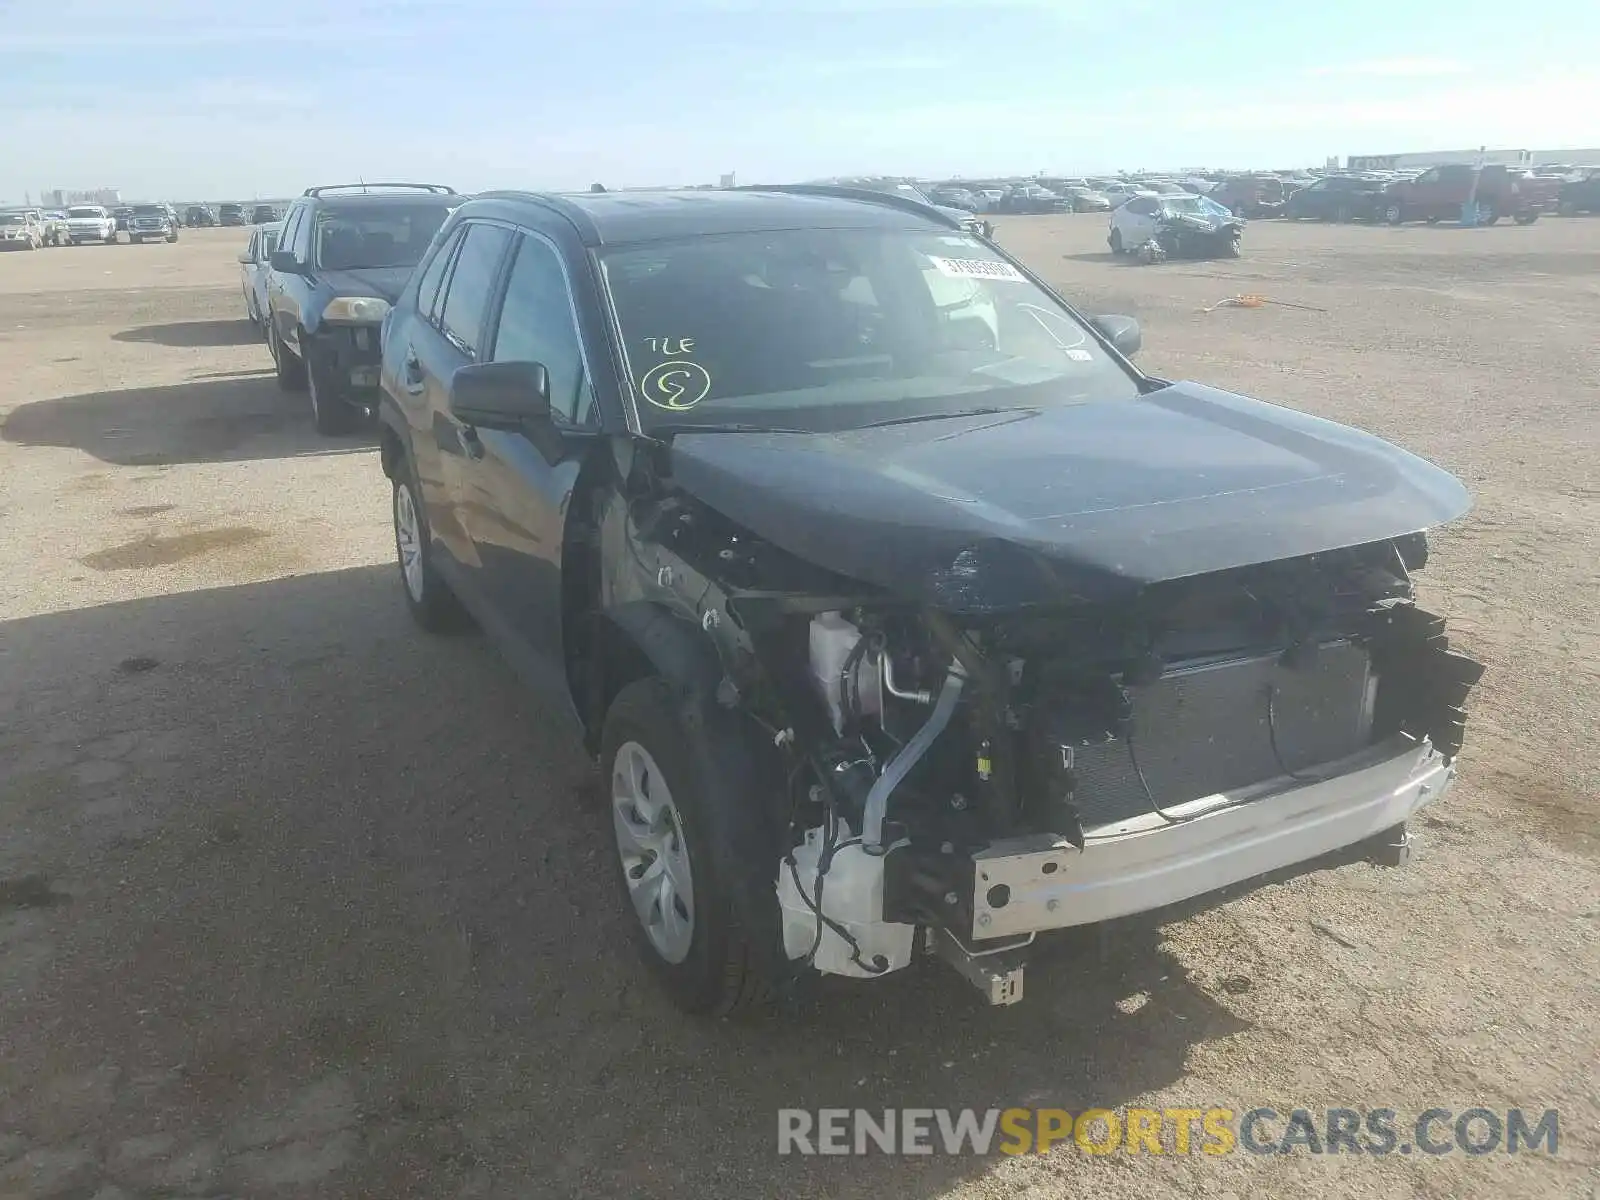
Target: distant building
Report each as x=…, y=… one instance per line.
x=61, y=197
x=1433, y=158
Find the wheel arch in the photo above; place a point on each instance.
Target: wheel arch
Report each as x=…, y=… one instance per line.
x=635, y=640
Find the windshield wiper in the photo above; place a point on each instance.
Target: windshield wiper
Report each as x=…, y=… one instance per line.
x=671, y=427
x=966, y=412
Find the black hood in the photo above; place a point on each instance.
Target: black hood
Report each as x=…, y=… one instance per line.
x=386, y=283
x=1091, y=501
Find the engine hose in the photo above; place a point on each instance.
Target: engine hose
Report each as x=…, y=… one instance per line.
x=900, y=765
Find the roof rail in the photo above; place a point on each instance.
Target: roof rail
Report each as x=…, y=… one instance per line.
x=868, y=195
x=574, y=213
x=437, y=189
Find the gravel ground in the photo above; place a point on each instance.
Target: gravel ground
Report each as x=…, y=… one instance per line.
x=297, y=902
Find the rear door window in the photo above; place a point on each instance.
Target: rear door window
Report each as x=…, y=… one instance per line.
x=428, y=287
x=466, y=300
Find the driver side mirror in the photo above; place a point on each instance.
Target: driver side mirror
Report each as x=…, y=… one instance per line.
x=286, y=262
x=1122, y=332
x=501, y=395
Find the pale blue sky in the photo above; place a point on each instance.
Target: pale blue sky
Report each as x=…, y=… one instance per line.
x=222, y=98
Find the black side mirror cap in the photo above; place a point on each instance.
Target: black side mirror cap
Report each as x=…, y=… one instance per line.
x=285, y=261
x=501, y=395
x=1122, y=332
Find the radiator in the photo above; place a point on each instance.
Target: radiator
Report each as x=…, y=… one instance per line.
x=1199, y=730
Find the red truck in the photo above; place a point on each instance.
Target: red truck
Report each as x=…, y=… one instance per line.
x=1440, y=192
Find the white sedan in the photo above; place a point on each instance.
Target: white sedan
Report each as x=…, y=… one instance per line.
x=1136, y=222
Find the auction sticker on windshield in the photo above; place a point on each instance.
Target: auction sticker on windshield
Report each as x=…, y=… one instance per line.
x=976, y=268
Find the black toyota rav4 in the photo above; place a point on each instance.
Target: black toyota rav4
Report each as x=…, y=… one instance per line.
x=343, y=255
x=904, y=615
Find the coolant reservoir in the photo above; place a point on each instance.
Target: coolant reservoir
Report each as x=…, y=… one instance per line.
x=832, y=640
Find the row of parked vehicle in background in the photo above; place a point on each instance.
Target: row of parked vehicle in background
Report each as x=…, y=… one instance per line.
x=1438, y=193
x=32, y=228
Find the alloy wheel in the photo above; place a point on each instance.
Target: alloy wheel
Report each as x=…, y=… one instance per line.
x=408, y=540
x=655, y=859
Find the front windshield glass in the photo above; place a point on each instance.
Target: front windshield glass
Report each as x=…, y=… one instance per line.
x=1191, y=206
x=85, y=212
x=370, y=236
x=149, y=210
x=13, y=218
x=835, y=328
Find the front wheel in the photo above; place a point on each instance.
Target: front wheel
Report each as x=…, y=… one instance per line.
x=1230, y=248
x=694, y=858
x=329, y=412
x=1115, y=242
x=1394, y=214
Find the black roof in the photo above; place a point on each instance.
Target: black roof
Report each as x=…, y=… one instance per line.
x=609, y=218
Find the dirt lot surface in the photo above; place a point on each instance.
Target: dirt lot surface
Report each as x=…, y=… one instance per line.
x=295, y=901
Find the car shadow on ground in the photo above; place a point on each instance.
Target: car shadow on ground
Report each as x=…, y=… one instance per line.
x=209, y=420
x=355, y=884
x=193, y=333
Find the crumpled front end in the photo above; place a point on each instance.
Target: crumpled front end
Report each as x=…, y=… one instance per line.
x=962, y=781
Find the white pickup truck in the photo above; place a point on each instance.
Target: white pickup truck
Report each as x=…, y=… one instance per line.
x=90, y=223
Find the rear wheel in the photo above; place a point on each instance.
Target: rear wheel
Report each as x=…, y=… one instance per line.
x=1487, y=214
x=429, y=599
x=291, y=372
x=1115, y=242
x=694, y=857
x=1394, y=214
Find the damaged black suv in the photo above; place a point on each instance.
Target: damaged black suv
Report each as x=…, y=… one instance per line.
x=904, y=614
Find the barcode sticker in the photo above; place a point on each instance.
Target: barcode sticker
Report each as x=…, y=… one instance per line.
x=976, y=268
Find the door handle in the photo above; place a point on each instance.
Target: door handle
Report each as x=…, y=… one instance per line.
x=470, y=445
x=411, y=373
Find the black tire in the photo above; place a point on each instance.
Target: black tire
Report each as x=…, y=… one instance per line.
x=706, y=757
x=433, y=606
x=1231, y=250
x=1526, y=218
x=1488, y=215
x=173, y=236
x=291, y=371
x=329, y=413
x=1394, y=214
x=1115, y=242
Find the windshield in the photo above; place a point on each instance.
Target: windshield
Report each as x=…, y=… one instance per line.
x=388, y=235
x=86, y=212
x=13, y=218
x=831, y=329
x=149, y=210
x=1192, y=206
